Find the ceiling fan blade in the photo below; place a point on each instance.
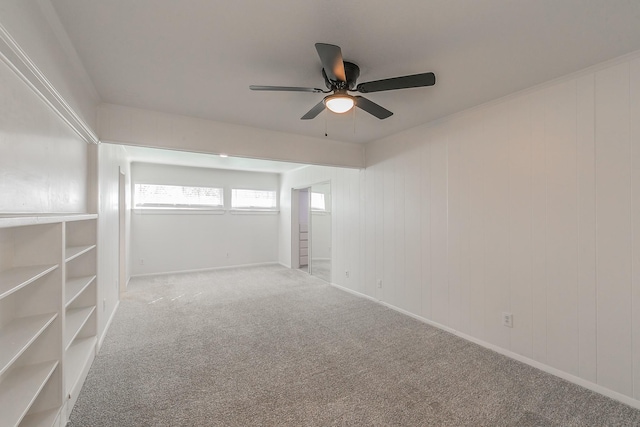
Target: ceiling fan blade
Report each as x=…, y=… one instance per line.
x=404, y=82
x=372, y=108
x=317, y=109
x=287, y=89
x=331, y=57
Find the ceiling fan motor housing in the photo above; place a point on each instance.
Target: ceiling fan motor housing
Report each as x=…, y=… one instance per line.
x=351, y=71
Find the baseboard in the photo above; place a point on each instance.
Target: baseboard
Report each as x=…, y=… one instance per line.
x=545, y=368
x=200, y=270
x=106, y=327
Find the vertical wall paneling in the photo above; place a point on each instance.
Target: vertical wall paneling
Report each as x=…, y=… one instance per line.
x=529, y=205
x=111, y=159
x=362, y=230
x=613, y=240
x=438, y=208
x=635, y=215
x=539, y=101
x=337, y=247
x=520, y=238
x=464, y=301
x=355, y=272
x=562, y=215
x=457, y=197
x=371, y=202
x=585, y=128
x=389, y=288
x=496, y=191
x=476, y=155
x=400, y=167
x=379, y=211
x=413, y=252
x=425, y=235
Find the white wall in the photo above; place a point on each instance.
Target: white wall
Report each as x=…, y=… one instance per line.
x=134, y=126
x=111, y=160
x=46, y=164
x=347, y=207
x=528, y=205
x=321, y=225
x=169, y=242
x=43, y=163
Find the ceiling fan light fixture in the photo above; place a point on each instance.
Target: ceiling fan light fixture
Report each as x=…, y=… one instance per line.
x=339, y=103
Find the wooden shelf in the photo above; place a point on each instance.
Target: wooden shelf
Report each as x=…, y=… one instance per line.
x=76, y=358
x=17, y=336
x=40, y=419
x=76, y=318
x=75, y=251
x=20, y=389
x=18, y=220
x=75, y=286
x=17, y=278
x=66, y=290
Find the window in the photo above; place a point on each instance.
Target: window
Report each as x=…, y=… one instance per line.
x=177, y=196
x=317, y=202
x=253, y=199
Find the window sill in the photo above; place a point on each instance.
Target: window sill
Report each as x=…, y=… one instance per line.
x=179, y=211
x=254, y=211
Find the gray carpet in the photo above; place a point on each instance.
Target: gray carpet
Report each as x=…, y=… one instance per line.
x=321, y=268
x=269, y=346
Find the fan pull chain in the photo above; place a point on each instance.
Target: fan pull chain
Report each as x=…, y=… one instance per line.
x=354, y=120
x=325, y=123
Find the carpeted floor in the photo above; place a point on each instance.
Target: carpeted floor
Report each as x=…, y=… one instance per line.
x=269, y=346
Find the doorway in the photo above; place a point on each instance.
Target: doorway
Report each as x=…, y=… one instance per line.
x=320, y=230
x=311, y=230
x=300, y=228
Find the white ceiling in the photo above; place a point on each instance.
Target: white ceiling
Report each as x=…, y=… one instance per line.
x=200, y=160
x=198, y=57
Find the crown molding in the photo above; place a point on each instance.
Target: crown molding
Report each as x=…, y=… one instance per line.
x=17, y=59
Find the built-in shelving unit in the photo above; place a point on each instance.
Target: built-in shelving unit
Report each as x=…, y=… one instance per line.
x=48, y=295
x=80, y=289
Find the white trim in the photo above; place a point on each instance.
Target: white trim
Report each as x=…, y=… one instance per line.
x=107, y=325
x=69, y=49
x=203, y=211
x=199, y=270
x=179, y=211
x=627, y=400
x=253, y=211
x=17, y=59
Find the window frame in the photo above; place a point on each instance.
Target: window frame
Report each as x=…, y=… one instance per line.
x=254, y=209
x=324, y=202
x=177, y=207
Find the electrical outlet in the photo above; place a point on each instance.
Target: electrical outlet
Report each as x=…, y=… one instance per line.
x=346, y=274
x=507, y=320
x=379, y=283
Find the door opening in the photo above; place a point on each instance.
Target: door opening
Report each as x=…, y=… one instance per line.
x=300, y=229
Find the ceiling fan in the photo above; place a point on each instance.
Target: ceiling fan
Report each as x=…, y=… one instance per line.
x=340, y=78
